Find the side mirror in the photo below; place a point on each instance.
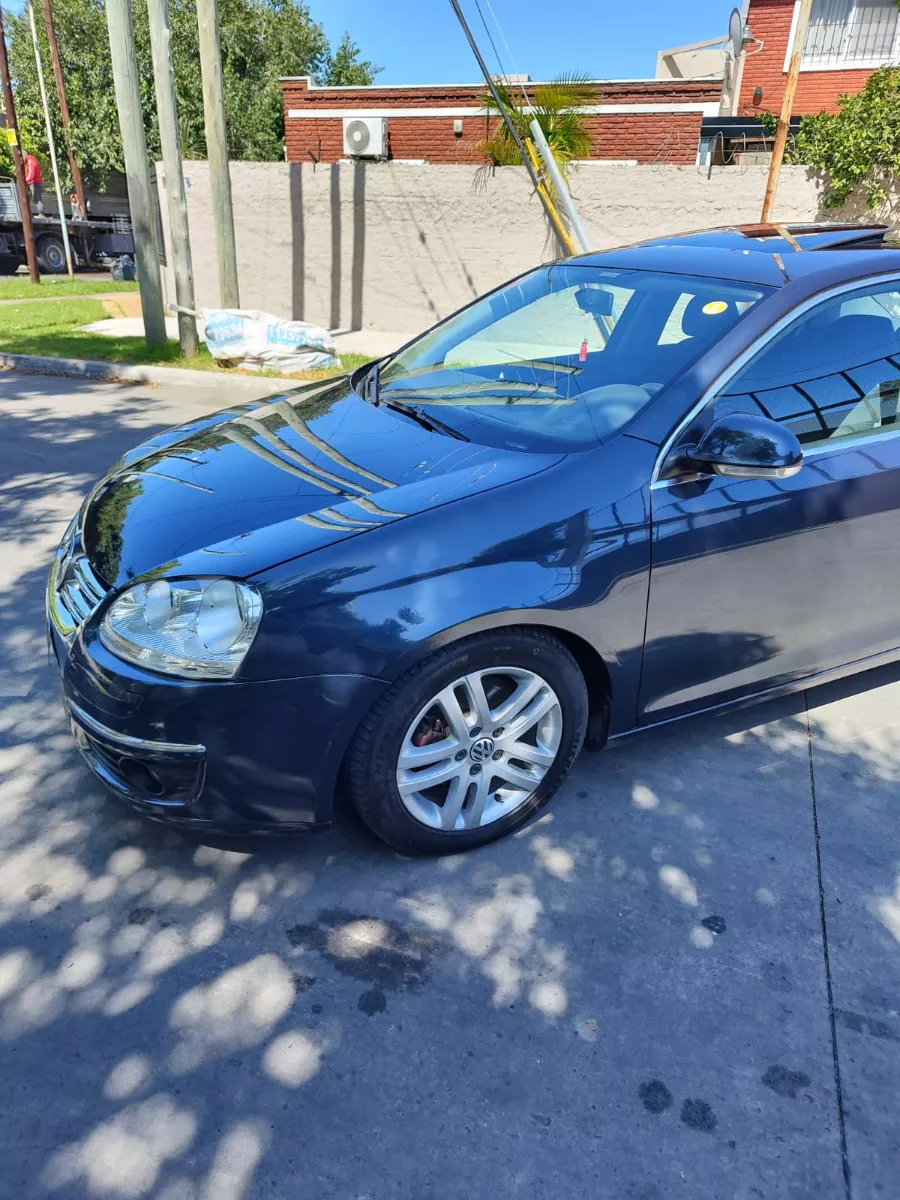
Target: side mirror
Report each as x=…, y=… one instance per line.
x=746, y=447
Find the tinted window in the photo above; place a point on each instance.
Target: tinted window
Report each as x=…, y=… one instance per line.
x=833, y=374
x=566, y=355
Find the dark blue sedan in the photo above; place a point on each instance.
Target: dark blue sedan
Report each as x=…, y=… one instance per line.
x=621, y=489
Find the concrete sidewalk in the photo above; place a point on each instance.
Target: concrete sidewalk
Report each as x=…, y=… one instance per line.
x=373, y=342
x=682, y=981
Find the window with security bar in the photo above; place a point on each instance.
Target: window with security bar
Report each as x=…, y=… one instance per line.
x=851, y=33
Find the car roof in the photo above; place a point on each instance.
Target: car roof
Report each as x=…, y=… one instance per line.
x=743, y=265
x=783, y=239
x=712, y=263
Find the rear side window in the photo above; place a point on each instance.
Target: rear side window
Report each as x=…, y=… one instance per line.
x=832, y=375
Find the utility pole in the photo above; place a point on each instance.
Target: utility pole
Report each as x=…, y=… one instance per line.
x=63, y=104
x=137, y=168
x=217, y=150
x=529, y=158
x=12, y=128
x=787, y=106
x=50, y=142
x=167, y=110
x=562, y=189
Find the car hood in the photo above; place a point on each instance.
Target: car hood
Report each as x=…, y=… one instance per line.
x=261, y=483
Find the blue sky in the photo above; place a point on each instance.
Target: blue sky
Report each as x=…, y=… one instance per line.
x=419, y=41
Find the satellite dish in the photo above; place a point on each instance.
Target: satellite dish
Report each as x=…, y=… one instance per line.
x=736, y=33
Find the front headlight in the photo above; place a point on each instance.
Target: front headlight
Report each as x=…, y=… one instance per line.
x=196, y=628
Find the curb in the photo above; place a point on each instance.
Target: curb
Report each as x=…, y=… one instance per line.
x=80, y=368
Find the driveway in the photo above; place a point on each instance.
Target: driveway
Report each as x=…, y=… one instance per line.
x=682, y=981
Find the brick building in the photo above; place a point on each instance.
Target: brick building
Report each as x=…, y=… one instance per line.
x=847, y=40
x=652, y=120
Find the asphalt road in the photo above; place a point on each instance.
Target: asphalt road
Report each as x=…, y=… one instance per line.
x=682, y=981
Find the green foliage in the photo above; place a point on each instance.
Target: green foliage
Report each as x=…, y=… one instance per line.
x=769, y=121
x=858, y=146
x=52, y=328
x=261, y=41
x=20, y=287
x=557, y=106
x=345, y=69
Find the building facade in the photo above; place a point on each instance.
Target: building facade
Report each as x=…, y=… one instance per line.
x=642, y=121
x=847, y=40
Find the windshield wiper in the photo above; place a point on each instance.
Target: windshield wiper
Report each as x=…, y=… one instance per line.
x=541, y=364
x=499, y=387
x=370, y=391
x=423, y=419
x=371, y=385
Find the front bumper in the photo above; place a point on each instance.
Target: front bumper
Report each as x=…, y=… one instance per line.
x=231, y=757
x=159, y=774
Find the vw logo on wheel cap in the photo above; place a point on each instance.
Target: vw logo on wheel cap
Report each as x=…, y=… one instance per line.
x=482, y=750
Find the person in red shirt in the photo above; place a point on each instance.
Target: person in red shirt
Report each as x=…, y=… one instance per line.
x=35, y=181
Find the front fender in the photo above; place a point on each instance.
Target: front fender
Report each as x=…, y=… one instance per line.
x=558, y=550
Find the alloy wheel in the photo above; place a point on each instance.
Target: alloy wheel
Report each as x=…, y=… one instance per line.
x=479, y=749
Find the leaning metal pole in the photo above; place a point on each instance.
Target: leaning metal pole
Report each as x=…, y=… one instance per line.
x=51, y=144
x=553, y=216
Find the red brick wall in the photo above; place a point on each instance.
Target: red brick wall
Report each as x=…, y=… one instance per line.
x=648, y=137
x=771, y=21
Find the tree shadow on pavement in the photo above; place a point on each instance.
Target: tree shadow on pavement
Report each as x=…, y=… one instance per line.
x=593, y=1005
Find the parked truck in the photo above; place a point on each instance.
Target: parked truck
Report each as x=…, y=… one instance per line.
x=94, y=243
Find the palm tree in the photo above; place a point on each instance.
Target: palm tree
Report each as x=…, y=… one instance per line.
x=559, y=109
x=192, y=136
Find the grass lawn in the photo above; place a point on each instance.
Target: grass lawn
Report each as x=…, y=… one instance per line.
x=52, y=329
x=20, y=287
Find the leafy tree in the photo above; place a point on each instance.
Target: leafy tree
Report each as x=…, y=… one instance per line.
x=557, y=106
x=261, y=41
x=858, y=146
x=345, y=69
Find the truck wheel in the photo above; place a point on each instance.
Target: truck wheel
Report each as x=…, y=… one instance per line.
x=8, y=264
x=51, y=255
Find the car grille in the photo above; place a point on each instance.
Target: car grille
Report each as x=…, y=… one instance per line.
x=74, y=591
x=80, y=591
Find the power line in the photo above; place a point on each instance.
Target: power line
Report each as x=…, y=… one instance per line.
x=528, y=160
x=508, y=50
x=503, y=71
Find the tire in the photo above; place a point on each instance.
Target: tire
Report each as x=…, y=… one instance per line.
x=474, y=805
x=51, y=255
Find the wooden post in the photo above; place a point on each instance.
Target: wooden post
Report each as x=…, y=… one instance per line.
x=63, y=104
x=217, y=150
x=787, y=107
x=167, y=111
x=22, y=188
x=137, y=167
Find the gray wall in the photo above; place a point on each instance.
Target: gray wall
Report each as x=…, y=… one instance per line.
x=394, y=246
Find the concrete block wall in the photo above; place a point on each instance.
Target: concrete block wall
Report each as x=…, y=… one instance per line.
x=395, y=247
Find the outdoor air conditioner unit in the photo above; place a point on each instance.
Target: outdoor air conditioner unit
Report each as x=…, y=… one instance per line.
x=365, y=137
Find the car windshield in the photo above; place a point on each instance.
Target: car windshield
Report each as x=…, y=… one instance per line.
x=564, y=356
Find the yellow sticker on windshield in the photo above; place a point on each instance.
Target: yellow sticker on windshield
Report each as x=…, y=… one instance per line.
x=714, y=307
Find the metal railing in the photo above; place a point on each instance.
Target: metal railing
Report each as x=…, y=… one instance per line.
x=851, y=31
